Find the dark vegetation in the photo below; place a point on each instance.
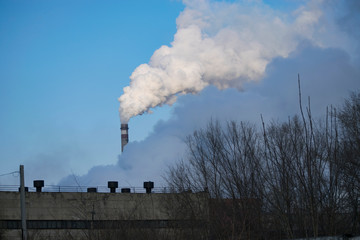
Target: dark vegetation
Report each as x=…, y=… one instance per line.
x=282, y=180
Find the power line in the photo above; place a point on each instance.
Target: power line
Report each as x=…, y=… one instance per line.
x=13, y=173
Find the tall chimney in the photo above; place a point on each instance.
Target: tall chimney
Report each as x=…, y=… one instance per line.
x=124, y=135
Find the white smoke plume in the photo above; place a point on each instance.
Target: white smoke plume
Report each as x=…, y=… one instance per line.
x=324, y=57
x=216, y=44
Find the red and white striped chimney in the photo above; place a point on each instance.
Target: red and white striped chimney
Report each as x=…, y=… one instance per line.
x=124, y=135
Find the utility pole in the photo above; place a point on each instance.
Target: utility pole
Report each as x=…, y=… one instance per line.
x=22, y=203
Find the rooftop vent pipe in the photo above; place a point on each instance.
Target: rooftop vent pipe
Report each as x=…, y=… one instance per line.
x=26, y=189
x=125, y=190
x=38, y=184
x=91, y=189
x=148, y=186
x=113, y=185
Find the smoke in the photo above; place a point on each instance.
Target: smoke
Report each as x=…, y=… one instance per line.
x=217, y=44
x=327, y=76
x=232, y=46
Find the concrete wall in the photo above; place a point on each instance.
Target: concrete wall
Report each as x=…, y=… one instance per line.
x=49, y=210
x=331, y=238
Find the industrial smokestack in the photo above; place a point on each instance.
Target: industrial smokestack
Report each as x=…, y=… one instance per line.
x=124, y=135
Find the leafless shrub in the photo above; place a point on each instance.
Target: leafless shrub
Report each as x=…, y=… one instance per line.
x=291, y=179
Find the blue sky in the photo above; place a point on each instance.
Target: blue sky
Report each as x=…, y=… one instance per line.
x=63, y=65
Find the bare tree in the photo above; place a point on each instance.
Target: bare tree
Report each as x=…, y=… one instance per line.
x=293, y=179
x=349, y=117
x=224, y=162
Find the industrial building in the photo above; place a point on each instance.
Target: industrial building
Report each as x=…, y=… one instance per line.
x=116, y=214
